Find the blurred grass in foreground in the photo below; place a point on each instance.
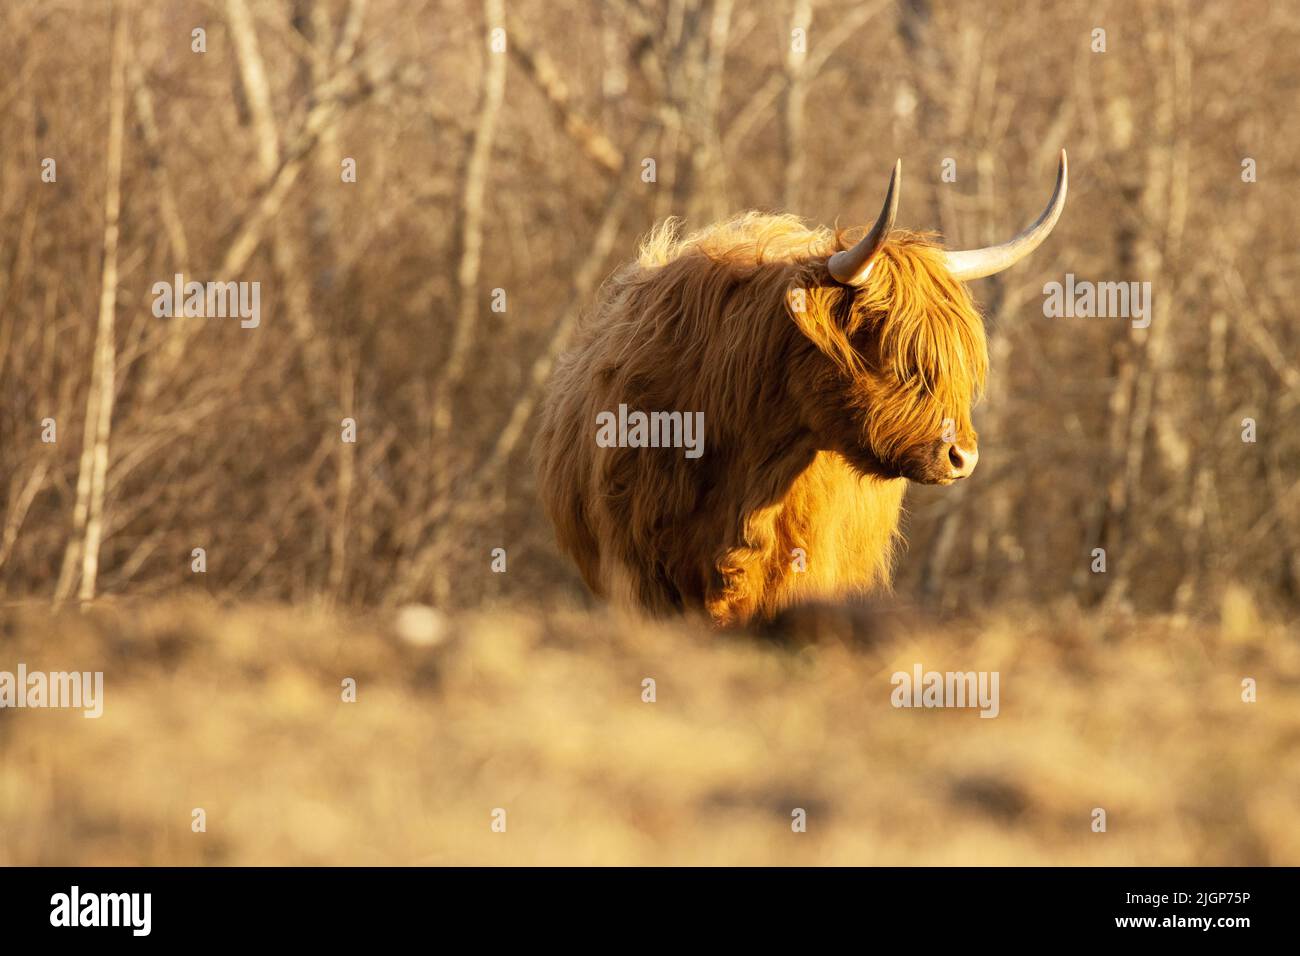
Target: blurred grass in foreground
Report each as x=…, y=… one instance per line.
x=237, y=709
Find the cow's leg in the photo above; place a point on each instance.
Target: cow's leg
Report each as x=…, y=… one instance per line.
x=736, y=587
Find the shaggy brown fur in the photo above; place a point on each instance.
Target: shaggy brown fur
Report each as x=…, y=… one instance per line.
x=813, y=419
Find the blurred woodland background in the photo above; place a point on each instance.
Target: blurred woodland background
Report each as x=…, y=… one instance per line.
x=522, y=171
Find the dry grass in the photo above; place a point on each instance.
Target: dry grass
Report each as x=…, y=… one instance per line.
x=237, y=710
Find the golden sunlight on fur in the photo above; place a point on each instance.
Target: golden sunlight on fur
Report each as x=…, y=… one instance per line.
x=819, y=400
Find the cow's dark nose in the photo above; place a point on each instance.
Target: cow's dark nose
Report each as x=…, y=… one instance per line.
x=962, y=460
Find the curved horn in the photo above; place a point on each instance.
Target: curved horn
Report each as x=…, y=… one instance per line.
x=852, y=265
x=978, y=263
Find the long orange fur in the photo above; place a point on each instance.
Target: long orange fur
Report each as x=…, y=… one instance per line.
x=811, y=416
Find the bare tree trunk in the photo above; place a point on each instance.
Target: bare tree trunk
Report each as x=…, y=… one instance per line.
x=1202, y=483
x=1166, y=185
x=343, y=492
x=793, y=113
x=286, y=256
x=613, y=81
x=467, y=276
x=168, y=208
x=88, y=515
x=713, y=179
x=541, y=69
x=19, y=503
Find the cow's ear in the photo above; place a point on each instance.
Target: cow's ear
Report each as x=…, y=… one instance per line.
x=819, y=313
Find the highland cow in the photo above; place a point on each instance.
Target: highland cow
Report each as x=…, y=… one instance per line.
x=828, y=374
